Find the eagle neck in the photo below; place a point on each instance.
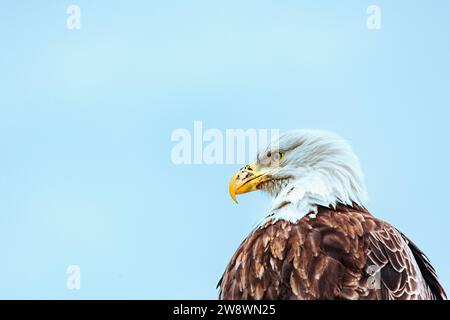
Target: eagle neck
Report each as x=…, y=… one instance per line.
x=304, y=194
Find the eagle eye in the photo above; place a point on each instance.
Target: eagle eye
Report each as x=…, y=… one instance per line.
x=275, y=157
x=271, y=158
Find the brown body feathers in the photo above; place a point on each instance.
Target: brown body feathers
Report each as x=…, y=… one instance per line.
x=342, y=253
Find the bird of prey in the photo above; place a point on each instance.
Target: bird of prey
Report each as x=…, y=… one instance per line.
x=318, y=241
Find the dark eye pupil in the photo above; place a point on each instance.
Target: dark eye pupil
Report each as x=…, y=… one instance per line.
x=269, y=154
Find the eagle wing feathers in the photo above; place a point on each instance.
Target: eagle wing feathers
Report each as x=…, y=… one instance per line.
x=342, y=253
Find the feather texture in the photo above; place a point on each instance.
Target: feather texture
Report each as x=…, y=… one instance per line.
x=341, y=253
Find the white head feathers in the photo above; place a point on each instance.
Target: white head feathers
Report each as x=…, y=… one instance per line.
x=317, y=168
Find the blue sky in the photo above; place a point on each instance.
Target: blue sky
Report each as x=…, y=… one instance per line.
x=86, y=117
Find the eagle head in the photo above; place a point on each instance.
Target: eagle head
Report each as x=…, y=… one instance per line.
x=303, y=169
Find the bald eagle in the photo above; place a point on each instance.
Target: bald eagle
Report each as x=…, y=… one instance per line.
x=318, y=241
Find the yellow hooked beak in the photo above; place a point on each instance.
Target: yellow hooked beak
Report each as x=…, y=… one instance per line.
x=248, y=179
